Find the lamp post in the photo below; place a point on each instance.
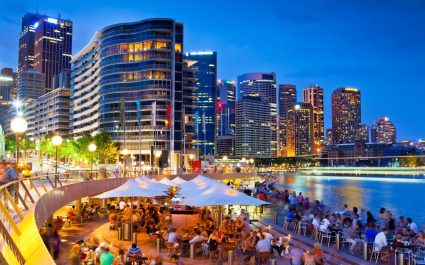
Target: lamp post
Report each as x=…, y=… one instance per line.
x=92, y=148
x=158, y=154
x=125, y=153
x=18, y=125
x=56, y=140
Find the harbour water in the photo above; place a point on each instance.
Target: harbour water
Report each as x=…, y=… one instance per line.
x=402, y=195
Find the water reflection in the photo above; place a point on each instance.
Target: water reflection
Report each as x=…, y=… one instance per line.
x=401, y=196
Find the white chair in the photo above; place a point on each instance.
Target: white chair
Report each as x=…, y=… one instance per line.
x=376, y=251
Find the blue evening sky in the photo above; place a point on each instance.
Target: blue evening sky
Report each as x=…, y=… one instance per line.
x=377, y=46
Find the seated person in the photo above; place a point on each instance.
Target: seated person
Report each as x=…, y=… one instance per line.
x=198, y=238
x=71, y=214
x=134, y=252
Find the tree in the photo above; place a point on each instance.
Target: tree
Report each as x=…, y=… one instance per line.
x=106, y=149
x=10, y=143
x=410, y=161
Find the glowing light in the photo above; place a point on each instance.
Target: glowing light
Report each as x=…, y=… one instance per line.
x=19, y=125
x=125, y=151
x=52, y=20
x=200, y=53
x=92, y=147
x=297, y=107
x=158, y=153
x=225, y=158
x=351, y=89
x=191, y=156
x=57, y=140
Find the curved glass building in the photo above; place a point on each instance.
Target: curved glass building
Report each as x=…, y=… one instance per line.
x=128, y=81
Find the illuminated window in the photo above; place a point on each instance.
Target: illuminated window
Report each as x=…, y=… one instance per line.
x=178, y=47
x=147, y=45
x=160, y=45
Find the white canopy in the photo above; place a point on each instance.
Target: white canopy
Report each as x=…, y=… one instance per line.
x=196, y=185
x=220, y=194
x=167, y=182
x=133, y=188
x=178, y=180
x=156, y=183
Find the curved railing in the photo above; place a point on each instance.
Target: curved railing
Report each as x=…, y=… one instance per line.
x=20, y=197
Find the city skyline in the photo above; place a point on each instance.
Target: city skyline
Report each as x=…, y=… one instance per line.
x=354, y=53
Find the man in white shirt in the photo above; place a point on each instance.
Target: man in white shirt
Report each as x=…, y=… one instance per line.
x=325, y=223
x=381, y=239
x=412, y=226
x=122, y=205
x=198, y=238
x=263, y=245
x=316, y=222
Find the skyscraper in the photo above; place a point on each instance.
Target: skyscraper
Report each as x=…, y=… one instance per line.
x=30, y=84
x=287, y=96
x=363, y=133
x=299, y=130
x=205, y=98
x=26, y=42
x=253, y=134
x=346, y=115
x=52, y=47
x=384, y=131
x=226, y=104
x=314, y=95
x=264, y=86
x=128, y=82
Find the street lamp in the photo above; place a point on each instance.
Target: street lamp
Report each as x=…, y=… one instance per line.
x=92, y=148
x=125, y=153
x=56, y=140
x=18, y=125
x=191, y=157
x=225, y=158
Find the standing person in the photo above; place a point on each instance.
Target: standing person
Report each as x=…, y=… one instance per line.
x=296, y=255
x=106, y=258
x=74, y=257
x=56, y=244
x=413, y=228
x=300, y=200
x=309, y=258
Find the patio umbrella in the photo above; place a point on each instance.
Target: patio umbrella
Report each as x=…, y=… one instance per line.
x=178, y=180
x=220, y=194
x=156, y=184
x=167, y=182
x=195, y=186
x=134, y=188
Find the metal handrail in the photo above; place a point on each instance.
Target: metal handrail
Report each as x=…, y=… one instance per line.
x=15, y=194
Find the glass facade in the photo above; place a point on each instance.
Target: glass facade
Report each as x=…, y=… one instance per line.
x=314, y=95
x=264, y=86
x=346, y=115
x=299, y=130
x=137, y=82
x=287, y=96
x=226, y=107
x=205, y=99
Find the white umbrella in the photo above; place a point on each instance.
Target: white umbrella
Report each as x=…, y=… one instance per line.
x=134, y=188
x=178, y=180
x=221, y=194
x=196, y=185
x=167, y=182
x=156, y=183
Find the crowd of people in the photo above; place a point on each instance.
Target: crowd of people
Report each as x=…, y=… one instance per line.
x=384, y=233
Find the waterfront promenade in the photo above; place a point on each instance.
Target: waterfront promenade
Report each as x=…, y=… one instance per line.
x=31, y=246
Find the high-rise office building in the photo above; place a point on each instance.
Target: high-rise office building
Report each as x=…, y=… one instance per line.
x=328, y=137
x=30, y=84
x=205, y=98
x=226, y=104
x=314, y=95
x=287, y=96
x=253, y=134
x=363, y=133
x=384, y=131
x=226, y=145
x=346, y=115
x=299, y=130
x=26, y=42
x=52, y=47
x=128, y=82
x=8, y=84
x=264, y=86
